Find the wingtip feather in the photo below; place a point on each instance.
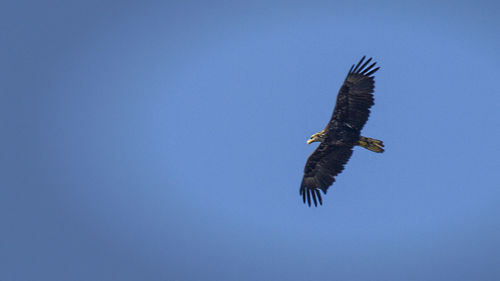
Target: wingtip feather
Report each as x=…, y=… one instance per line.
x=308, y=197
x=319, y=197
x=359, y=63
x=372, y=72
x=313, y=191
x=368, y=68
x=365, y=64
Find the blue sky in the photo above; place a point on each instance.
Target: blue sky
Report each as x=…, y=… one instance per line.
x=165, y=140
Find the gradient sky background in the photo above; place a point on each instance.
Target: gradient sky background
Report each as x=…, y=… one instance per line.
x=165, y=140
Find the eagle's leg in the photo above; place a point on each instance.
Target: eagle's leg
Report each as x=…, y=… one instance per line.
x=371, y=144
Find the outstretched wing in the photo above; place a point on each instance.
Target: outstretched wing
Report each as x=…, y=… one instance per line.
x=355, y=97
x=322, y=166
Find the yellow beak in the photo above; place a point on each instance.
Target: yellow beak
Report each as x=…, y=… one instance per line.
x=309, y=141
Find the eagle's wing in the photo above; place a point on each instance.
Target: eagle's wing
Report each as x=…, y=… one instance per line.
x=355, y=97
x=322, y=166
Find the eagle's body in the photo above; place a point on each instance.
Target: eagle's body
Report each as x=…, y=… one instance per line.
x=342, y=133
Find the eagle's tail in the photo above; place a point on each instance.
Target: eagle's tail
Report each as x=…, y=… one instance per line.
x=371, y=144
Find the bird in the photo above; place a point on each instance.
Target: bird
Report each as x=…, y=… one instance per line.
x=342, y=133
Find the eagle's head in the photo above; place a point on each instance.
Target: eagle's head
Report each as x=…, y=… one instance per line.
x=319, y=136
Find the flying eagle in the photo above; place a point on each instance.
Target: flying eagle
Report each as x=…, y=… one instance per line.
x=342, y=132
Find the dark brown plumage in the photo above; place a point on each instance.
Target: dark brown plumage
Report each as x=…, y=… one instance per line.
x=342, y=133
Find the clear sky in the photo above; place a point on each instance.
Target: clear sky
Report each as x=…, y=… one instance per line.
x=165, y=140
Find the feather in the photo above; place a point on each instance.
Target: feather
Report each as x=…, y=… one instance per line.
x=359, y=63
x=313, y=191
x=364, y=64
